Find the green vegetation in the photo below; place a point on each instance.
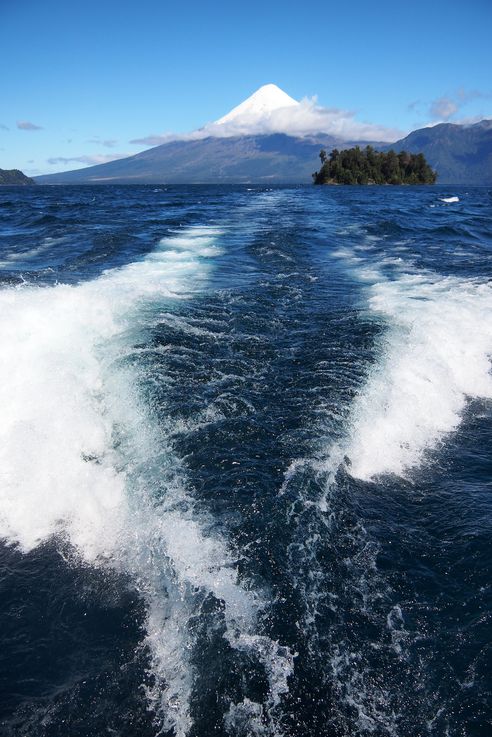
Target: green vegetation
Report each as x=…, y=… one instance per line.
x=368, y=166
x=14, y=176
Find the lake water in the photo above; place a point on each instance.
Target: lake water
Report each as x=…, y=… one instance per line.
x=245, y=461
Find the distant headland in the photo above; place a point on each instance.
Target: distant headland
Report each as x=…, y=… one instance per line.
x=368, y=166
x=14, y=176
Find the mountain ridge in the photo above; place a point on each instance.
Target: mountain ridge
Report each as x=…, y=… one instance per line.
x=461, y=154
x=269, y=157
x=241, y=147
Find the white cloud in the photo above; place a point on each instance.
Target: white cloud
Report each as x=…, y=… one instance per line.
x=108, y=142
x=471, y=119
x=26, y=125
x=88, y=160
x=155, y=139
x=465, y=95
x=443, y=108
x=306, y=118
x=309, y=118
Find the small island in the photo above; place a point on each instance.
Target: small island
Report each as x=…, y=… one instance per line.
x=14, y=177
x=368, y=166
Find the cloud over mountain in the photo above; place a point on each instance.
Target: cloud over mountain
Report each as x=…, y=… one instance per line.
x=444, y=108
x=306, y=118
x=89, y=160
x=270, y=110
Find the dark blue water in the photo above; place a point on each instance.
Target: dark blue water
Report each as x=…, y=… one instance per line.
x=245, y=461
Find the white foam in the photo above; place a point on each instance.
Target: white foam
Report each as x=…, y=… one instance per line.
x=54, y=416
x=434, y=356
x=81, y=457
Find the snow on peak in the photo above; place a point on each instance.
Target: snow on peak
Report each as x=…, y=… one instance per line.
x=270, y=110
x=259, y=105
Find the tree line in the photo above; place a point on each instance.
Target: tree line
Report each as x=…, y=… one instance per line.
x=368, y=166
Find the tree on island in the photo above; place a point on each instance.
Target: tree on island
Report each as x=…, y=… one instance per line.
x=368, y=166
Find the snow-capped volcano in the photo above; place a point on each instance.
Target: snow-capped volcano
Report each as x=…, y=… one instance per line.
x=258, y=106
x=270, y=110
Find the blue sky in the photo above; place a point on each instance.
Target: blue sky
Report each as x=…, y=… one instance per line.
x=81, y=80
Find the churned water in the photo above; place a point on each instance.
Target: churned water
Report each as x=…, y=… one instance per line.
x=245, y=461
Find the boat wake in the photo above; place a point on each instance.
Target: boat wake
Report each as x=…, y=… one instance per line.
x=432, y=357
x=85, y=458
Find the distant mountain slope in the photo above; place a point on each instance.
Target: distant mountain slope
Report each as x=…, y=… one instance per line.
x=460, y=154
x=14, y=176
x=260, y=141
x=264, y=158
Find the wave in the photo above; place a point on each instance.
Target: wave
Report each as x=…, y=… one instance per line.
x=433, y=357
x=84, y=458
